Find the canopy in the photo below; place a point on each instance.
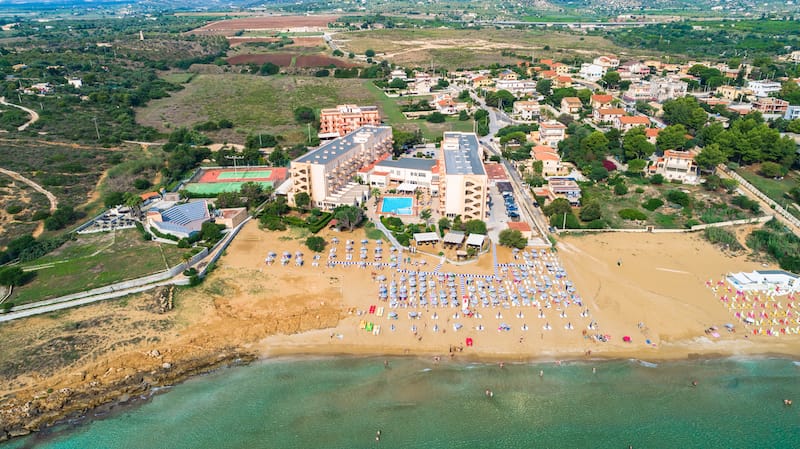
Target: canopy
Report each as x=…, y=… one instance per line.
x=426, y=237
x=454, y=238
x=475, y=239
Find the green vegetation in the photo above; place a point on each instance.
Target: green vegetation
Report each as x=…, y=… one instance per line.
x=779, y=243
x=512, y=238
x=777, y=190
x=632, y=214
x=93, y=261
x=723, y=237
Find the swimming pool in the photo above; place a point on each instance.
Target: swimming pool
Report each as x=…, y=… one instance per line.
x=400, y=205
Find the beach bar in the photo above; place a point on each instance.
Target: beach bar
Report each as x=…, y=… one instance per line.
x=779, y=281
x=426, y=238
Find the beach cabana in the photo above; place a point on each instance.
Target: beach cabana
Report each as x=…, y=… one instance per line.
x=476, y=240
x=426, y=238
x=453, y=238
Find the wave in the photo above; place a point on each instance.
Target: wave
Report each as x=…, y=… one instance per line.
x=645, y=364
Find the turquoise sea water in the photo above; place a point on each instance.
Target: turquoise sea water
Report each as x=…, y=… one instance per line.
x=342, y=402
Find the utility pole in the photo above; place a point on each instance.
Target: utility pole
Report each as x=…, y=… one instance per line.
x=309, y=133
x=96, y=129
x=235, y=158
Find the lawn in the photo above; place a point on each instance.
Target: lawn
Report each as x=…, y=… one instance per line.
x=96, y=260
x=253, y=103
x=775, y=189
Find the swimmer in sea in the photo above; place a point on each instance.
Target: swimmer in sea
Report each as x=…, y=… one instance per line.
x=694, y=383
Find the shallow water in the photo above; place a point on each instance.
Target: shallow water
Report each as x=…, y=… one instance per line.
x=342, y=402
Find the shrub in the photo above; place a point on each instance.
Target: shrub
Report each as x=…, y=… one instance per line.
x=620, y=189
x=657, y=179
x=652, y=204
x=315, y=243
x=272, y=223
x=142, y=184
x=15, y=276
x=14, y=209
x=722, y=236
x=512, y=238
x=639, y=190
x=678, y=197
x=596, y=224
x=632, y=214
x=746, y=203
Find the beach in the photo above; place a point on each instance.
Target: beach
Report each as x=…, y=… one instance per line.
x=63, y=365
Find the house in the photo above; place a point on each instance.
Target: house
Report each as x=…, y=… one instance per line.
x=551, y=133
x=599, y=101
x=733, y=93
x=625, y=123
x=346, y=118
x=608, y=62
x=792, y=113
x=764, y=88
x=664, y=89
x=676, y=166
x=634, y=68
x=548, y=74
x=771, y=106
x=182, y=220
x=562, y=82
x=607, y=115
x=560, y=68
x=638, y=92
x=592, y=72
x=508, y=75
x=652, y=134
x=519, y=88
x=551, y=161
x=526, y=109
x=571, y=105
x=38, y=89
x=445, y=104
x=565, y=188
x=481, y=81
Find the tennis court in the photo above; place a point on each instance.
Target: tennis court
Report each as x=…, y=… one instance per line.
x=240, y=174
x=219, y=187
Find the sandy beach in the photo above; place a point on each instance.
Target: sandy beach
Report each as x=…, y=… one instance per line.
x=64, y=364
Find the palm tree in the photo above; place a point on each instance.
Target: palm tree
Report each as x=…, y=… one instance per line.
x=426, y=215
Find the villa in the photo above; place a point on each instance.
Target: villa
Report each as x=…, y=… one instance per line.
x=676, y=166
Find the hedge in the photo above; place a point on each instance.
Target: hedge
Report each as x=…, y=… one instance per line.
x=159, y=234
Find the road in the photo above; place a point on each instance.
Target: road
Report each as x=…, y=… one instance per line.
x=34, y=115
x=50, y=197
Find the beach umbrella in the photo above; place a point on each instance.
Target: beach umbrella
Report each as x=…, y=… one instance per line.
x=626, y=339
x=729, y=326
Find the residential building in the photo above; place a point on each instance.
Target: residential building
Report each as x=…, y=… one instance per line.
x=508, y=75
x=445, y=104
x=652, y=134
x=598, y=101
x=794, y=56
x=464, y=185
x=733, y=93
x=565, y=188
x=771, y=106
x=551, y=133
x=607, y=115
x=625, y=123
x=663, y=89
x=519, y=88
x=551, y=161
x=592, y=72
x=676, y=166
x=792, y=113
x=346, y=118
x=328, y=174
x=77, y=83
x=571, y=105
x=481, y=81
x=182, y=220
x=638, y=92
x=608, y=62
x=526, y=109
x=763, y=88
x=562, y=81
x=634, y=68
x=560, y=68
x=521, y=226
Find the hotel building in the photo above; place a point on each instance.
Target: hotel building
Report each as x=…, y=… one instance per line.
x=464, y=185
x=346, y=118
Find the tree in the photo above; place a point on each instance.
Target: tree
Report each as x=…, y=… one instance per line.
x=611, y=79
x=464, y=116
x=771, y=169
x=544, y=86
x=278, y=157
x=657, y=179
x=302, y=200
x=598, y=173
x=211, y=232
x=425, y=215
x=348, y=216
x=635, y=144
x=15, y=276
x=596, y=144
x=444, y=223
x=558, y=206
x=636, y=166
x=672, y=137
x=730, y=185
x=685, y=111
x=436, y=117
x=709, y=157
x=591, y=211
x=112, y=199
x=475, y=227
x=338, y=53
x=304, y=114
x=315, y=243
x=620, y=189
x=269, y=69
x=512, y=238
x=398, y=83
x=370, y=53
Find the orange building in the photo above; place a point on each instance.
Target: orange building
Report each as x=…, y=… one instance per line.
x=346, y=118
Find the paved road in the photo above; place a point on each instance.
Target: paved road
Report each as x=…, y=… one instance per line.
x=34, y=114
x=50, y=197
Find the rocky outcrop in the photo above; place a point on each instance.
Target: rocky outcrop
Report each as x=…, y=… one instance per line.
x=21, y=416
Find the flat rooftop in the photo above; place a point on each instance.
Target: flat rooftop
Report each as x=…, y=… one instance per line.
x=461, y=154
x=411, y=163
x=343, y=145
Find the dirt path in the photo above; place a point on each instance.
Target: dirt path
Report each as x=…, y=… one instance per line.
x=33, y=114
x=95, y=193
x=50, y=197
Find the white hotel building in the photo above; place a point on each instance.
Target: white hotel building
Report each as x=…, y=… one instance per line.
x=464, y=185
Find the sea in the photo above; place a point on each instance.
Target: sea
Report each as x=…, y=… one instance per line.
x=343, y=402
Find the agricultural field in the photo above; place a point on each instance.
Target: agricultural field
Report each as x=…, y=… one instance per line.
x=452, y=49
x=253, y=103
x=281, y=23
x=95, y=260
